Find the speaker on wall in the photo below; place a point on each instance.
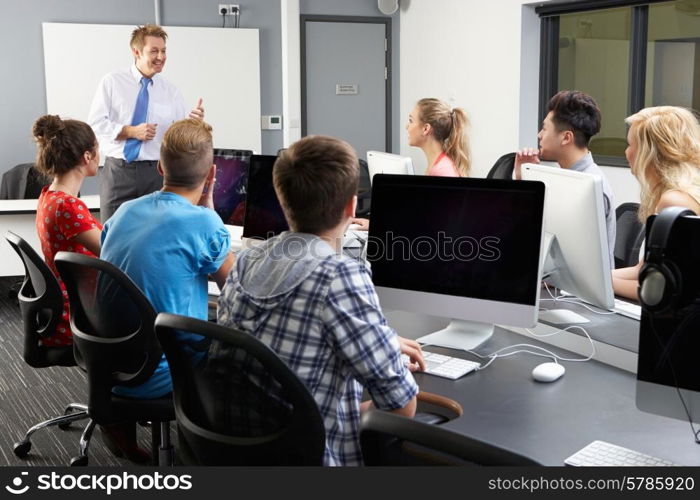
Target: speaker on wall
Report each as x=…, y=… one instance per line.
x=388, y=7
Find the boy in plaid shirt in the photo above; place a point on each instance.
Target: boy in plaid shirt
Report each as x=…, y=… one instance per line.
x=316, y=308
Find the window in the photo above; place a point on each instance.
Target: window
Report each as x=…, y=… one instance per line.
x=673, y=55
x=627, y=54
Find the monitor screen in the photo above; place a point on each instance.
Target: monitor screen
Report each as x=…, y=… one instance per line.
x=230, y=185
x=386, y=163
x=264, y=217
x=667, y=367
x=457, y=247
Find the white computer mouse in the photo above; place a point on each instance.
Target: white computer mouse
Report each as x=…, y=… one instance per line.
x=548, y=372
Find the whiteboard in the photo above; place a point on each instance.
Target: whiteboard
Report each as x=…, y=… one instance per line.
x=220, y=65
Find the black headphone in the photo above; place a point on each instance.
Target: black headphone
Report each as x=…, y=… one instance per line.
x=660, y=282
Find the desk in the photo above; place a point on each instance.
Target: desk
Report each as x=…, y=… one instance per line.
x=19, y=216
x=504, y=406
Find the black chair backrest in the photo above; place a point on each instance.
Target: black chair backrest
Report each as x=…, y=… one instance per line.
x=629, y=236
x=41, y=304
x=364, y=191
x=35, y=183
x=240, y=404
x=503, y=168
x=22, y=181
x=390, y=439
x=112, y=323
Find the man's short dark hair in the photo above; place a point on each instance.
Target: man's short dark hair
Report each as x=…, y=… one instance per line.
x=314, y=179
x=575, y=111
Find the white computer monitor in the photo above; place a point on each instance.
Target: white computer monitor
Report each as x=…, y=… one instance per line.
x=460, y=248
x=387, y=163
x=578, y=260
x=667, y=361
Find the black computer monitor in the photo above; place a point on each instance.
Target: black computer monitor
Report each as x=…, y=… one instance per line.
x=264, y=217
x=668, y=380
x=230, y=186
x=464, y=249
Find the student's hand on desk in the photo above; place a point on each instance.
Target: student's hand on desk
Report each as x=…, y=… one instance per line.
x=198, y=111
x=363, y=223
x=526, y=155
x=412, y=349
x=207, y=198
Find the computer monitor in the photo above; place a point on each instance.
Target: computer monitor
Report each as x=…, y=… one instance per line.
x=669, y=342
x=264, y=217
x=387, y=163
x=461, y=248
x=230, y=185
x=578, y=259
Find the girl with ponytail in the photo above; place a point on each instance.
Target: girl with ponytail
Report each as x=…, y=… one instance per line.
x=442, y=133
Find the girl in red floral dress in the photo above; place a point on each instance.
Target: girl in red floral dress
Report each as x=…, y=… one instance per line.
x=67, y=151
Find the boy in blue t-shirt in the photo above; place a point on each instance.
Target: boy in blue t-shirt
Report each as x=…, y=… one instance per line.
x=169, y=241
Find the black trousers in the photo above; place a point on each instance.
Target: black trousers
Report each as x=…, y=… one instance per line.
x=122, y=181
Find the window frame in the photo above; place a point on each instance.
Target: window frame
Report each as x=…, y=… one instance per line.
x=549, y=54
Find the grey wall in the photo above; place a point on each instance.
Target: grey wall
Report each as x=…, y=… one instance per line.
x=22, y=85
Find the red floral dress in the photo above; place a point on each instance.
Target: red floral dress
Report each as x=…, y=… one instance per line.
x=60, y=217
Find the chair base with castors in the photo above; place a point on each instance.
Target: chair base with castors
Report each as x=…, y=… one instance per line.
x=73, y=413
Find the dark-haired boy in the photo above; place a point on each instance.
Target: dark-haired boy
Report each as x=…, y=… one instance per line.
x=316, y=308
x=572, y=119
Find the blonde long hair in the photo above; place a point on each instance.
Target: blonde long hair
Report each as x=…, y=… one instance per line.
x=450, y=128
x=667, y=139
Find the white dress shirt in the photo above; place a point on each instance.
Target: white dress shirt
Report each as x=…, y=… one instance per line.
x=113, y=107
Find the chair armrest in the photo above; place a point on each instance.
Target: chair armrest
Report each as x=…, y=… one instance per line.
x=429, y=402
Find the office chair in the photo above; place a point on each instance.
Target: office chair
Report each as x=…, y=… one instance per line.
x=41, y=305
x=503, y=168
x=629, y=236
x=239, y=403
x=114, y=342
x=390, y=439
x=22, y=182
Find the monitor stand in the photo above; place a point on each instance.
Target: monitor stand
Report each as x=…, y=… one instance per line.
x=548, y=266
x=460, y=334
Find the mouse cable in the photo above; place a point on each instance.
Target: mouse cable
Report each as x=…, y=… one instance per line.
x=545, y=353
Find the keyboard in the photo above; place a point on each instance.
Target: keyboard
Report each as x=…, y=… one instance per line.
x=446, y=366
x=602, y=454
x=628, y=309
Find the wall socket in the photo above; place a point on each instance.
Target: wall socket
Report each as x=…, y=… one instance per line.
x=231, y=8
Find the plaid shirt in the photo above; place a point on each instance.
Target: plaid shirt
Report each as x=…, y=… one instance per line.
x=330, y=330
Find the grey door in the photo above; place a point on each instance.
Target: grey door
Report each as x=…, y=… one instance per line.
x=345, y=83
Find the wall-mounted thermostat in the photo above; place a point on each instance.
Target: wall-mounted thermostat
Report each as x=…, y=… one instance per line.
x=271, y=122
